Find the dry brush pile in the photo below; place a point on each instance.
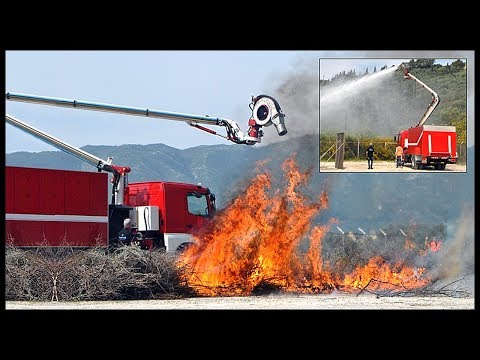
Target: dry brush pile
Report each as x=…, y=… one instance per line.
x=66, y=274
x=70, y=274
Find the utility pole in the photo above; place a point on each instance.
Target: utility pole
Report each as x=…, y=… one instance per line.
x=340, y=151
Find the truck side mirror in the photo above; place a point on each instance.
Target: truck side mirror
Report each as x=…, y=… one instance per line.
x=395, y=138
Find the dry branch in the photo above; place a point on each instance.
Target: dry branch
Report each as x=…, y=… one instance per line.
x=429, y=290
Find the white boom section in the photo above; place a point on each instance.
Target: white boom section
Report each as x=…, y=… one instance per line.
x=433, y=104
x=233, y=130
x=62, y=145
x=105, y=165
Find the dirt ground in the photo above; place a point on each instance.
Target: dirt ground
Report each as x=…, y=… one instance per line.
x=333, y=301
x=385, y=166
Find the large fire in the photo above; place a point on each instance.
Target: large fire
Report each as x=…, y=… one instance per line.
x=255, y=244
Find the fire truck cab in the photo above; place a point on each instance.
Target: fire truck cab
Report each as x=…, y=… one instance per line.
x=167, y=213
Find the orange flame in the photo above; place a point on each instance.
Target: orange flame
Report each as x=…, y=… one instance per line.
x=409, y=245
x=254, y=243
x=377, y=274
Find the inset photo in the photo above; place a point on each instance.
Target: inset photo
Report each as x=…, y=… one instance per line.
x=393, y=115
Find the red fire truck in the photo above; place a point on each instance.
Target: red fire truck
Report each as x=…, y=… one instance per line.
x=428, y=145
x=46, y=207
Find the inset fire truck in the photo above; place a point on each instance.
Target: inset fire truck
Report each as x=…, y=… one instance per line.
x=428, y=145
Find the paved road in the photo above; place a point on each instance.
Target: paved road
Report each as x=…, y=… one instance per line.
x=334, y=301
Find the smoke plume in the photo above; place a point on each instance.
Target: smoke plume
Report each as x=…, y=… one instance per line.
x=363, y=104
x=369, y=104
x=298, y=98
x=456, y=257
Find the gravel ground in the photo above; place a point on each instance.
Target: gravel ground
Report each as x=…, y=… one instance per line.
x=385, y=166
x=333, y=301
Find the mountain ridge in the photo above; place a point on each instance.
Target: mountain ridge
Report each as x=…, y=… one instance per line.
x=227, y=169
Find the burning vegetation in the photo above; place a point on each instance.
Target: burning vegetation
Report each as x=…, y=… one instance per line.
x=266, y=240
x=275, y=237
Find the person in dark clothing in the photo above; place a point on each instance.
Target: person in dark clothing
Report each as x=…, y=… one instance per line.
x=369, y=152
x=126, y=235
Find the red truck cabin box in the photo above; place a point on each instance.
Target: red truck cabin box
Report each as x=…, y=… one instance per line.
x=46, y=207
x=433, y=141
x=174, y=201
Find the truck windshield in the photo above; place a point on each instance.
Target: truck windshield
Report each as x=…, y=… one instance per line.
x=197, y=204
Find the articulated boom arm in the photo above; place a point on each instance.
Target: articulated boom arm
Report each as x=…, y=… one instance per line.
x=265, y=111
x=435, y=97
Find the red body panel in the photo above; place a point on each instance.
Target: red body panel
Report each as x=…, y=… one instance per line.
x=176, y=204
x=52, y=194
x=431, y=142
x=55, y=207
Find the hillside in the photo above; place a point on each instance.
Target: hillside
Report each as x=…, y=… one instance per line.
x=355, y=199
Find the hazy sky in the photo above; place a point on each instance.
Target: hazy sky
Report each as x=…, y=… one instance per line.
x=214, y=83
